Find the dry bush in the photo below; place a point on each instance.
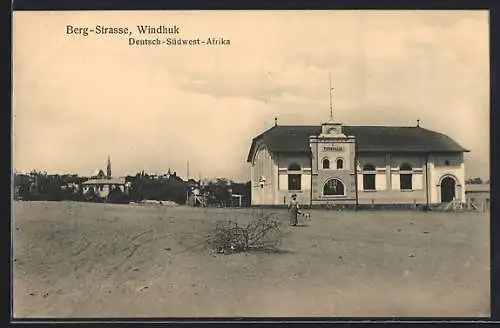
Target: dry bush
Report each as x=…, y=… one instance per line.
x=261, y=234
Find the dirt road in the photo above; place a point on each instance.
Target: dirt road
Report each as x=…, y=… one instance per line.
x=99, y=260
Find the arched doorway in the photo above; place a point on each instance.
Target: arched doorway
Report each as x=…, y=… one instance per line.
x=447, y=190
x=333, y=187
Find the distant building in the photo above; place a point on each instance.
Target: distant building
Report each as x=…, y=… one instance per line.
x=478, y=196
x=99, y=174
x=337, y=164
x=102, y=187
x=102, y=184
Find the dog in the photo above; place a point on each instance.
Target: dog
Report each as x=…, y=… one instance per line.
x=306, y=215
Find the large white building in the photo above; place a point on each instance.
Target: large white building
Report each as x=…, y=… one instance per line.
x=338, y=164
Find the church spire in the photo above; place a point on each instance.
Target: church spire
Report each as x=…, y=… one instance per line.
x=108, y=169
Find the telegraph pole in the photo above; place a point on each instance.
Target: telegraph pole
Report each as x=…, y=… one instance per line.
x=187, y=181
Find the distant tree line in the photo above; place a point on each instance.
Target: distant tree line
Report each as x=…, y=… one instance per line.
x=145, y=186
x=218, y=192
x=54, y=187
x=43, y=186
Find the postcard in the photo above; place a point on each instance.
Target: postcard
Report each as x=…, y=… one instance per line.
x=252, y=164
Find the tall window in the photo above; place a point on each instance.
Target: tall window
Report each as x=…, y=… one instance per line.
x=326, y=163
x=261, y=164
x=405, y=176
x=294, y=177
x=369, y=177
x=333, y=187
x=340, y=164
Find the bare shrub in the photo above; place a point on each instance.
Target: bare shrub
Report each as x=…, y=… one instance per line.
x=261, y=234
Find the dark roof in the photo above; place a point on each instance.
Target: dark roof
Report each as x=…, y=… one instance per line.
x=295, y=138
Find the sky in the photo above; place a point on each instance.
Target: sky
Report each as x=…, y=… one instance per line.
x=77, y=99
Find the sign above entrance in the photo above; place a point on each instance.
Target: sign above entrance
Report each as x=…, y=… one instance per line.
x=333, y=148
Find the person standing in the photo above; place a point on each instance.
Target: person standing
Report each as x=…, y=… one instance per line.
x=293, y=209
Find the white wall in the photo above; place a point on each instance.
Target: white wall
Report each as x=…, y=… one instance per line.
x=346, y=154
x=456, y=173
x=284, y=162
x=282, y=192
x=360, y=181
x=283, y=181
x=263, y=166
x=306, y=181
x=274, y=168
x=380, y=181
x=433, y=197
x=382, y=162
x=395, y=182
x=417, y=181
x=456, y=170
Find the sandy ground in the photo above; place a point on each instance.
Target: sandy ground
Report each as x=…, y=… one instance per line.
x=99, y=260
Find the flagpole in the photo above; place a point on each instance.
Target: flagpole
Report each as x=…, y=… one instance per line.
x=331, y=105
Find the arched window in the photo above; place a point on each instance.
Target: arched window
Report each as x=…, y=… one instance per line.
x=333, y=187
x=369, y=177
x=294, y=177
x=405, y=176
x=326, y=163
x=340, y=164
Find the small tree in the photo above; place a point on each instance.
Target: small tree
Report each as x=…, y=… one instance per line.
x=261, y=234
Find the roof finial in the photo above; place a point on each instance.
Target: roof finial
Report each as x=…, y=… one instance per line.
x=418, y=122
x=275, y=121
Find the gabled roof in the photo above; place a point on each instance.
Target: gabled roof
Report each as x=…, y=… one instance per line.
x=98, y=172
x=295, y=138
